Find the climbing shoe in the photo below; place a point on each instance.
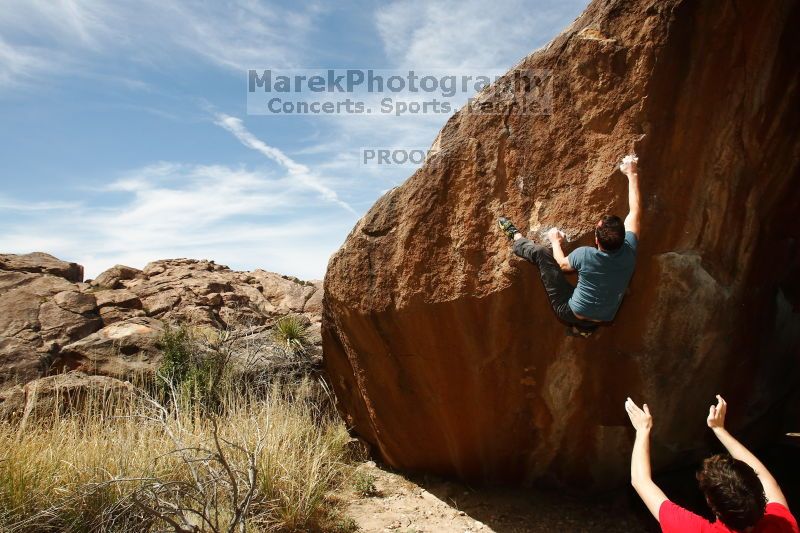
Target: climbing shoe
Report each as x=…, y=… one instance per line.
x=579, y=331
x=508, y=228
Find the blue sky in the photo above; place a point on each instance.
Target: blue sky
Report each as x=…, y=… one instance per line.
x=125, y=138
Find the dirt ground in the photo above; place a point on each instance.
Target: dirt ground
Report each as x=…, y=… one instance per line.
x=400, y=504
x=403, y=505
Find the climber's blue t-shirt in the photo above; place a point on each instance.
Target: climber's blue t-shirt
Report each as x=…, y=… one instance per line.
x=602, y=279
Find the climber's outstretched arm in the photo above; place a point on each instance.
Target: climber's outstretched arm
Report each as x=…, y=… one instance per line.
x=716, y=421
x=641, y=479
x=629, y=167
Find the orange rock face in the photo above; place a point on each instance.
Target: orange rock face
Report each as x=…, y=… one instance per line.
x=441, y=346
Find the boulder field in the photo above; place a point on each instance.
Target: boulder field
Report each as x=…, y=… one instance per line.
x=51, y=321
x=440, y=344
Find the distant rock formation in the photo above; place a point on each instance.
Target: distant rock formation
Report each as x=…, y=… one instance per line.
x=440, y=344
x=51, y=321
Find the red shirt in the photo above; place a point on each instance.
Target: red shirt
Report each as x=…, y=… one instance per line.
x=676, y=519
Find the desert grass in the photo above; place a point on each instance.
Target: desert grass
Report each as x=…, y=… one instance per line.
x=267, y=463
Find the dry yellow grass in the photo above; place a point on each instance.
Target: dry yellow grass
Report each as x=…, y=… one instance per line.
x=78, y=473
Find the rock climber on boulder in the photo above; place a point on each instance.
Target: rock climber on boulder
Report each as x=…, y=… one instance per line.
x=603, y=272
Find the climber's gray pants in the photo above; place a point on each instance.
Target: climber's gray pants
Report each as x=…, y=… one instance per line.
x=558, y=289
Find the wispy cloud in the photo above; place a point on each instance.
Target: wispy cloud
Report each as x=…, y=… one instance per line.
x=18, y=64
x=246, y=34
x=15, y=205
x=301, y=173
x=243, y=217
x=45, y=38
x=467, y=33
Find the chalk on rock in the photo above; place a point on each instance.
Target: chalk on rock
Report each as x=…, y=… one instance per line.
x=542, y=235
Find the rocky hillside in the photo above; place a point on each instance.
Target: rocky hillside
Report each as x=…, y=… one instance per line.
x=51, y=320
x=441, y=345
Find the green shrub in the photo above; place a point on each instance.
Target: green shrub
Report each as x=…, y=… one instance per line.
x=346, y=525
x=191, y=372
x=176, y=347
x=364, y=484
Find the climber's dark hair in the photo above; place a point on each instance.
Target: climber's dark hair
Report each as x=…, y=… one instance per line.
x=610, y=233
x=733, y=491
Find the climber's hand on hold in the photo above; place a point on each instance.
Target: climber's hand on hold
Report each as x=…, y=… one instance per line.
x=716, y=413
x=555, y=236
x=641, y=419
x=629, y=166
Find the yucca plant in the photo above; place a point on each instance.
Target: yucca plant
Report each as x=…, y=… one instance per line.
x=291, y=333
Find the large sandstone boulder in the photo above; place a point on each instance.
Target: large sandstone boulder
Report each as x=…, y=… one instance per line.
x=443, y=351
x=39, y=313
x=41, y=263
x=117, y=305
x=114, y=276
x=289, y=295
x=313, y=304
x=122, y=350
x=69, y=316
x=62, y=394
